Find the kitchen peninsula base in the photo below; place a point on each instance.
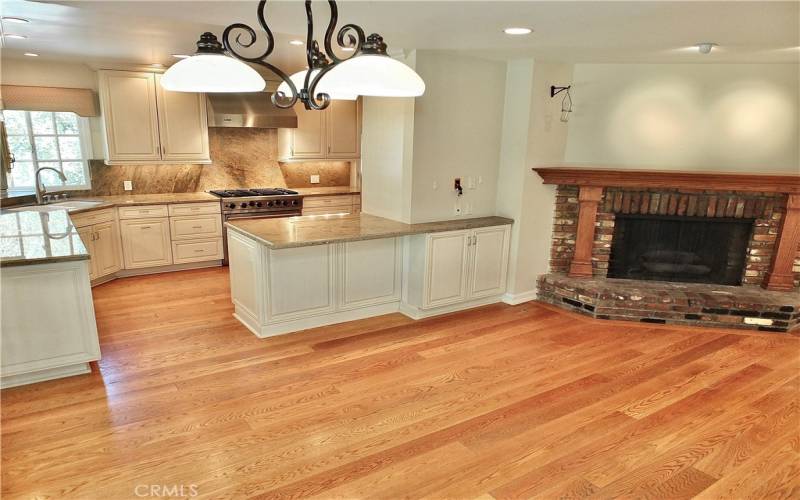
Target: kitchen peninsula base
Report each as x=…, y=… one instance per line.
x=289, y=275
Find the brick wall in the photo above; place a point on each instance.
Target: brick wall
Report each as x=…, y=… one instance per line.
x=767, y=209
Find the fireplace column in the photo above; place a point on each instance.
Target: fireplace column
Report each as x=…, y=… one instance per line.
x=780, y=276
x=588, y=198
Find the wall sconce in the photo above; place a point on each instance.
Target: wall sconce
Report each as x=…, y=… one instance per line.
x=566, y=101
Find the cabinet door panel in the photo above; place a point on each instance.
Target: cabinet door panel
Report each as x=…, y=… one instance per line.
x=300, y=281
x=308, y=139
x=446, y=269
x=183, y=125
x=87, y=236
x=343, y=130
x=106, y=249
x=371, y=272
x=146, y=243
x=128, y=101
x=489, y=261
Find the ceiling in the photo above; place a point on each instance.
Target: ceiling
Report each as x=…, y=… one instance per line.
x=145, y=32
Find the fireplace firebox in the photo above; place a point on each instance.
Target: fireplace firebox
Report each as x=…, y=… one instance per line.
x=684, y=249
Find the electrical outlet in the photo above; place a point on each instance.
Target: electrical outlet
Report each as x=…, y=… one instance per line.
x=314, y=179
x=468, y=209
x=127, y=185
x=435, y=185
x=470, y=182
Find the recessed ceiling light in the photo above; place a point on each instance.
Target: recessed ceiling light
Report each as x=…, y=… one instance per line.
x=18, y=37
x=295, y=42
x=517, y=31
x=705, y=47
x=19, y=20
x=180, y=56
x=31, y=54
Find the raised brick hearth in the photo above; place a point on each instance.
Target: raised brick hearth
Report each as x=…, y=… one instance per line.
x=676, y=303
x=588, y=202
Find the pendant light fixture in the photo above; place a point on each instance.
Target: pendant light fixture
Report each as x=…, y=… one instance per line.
x=367, y=70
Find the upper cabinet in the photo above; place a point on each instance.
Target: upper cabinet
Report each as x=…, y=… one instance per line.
x=145, y=123
x=331, y=134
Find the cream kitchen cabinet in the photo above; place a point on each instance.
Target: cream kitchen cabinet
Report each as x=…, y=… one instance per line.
x=145, y=123
x=146, y=242
x=331, y=134
x=99, y=232
x=456, y=268
x=334, y=204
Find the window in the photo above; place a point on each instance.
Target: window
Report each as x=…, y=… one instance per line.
x=46, y=139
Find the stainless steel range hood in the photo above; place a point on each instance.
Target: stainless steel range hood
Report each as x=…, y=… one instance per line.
x=248, y=110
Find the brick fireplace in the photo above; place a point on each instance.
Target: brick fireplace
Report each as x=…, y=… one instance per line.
x=729, y=253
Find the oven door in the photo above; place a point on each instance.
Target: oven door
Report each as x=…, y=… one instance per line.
x=251, y=215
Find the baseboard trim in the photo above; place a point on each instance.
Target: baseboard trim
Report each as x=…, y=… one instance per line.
x=295, y=325
x=514, y=299
x=415, y=312
x=127, y=273
x=43, y=375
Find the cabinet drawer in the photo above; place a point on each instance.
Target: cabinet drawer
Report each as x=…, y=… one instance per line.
x=194, y=209
x=143, y=212
x=328, y=211
x=93, y=217
x=196, y=250
x=327, y=201
x=201, y=226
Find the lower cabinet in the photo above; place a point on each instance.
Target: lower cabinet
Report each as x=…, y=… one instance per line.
x=455, y=267
x=332, y=204
x=188, y=251
x=48, y=323
x=146, y=242
x=103, y=244
x=285, y=290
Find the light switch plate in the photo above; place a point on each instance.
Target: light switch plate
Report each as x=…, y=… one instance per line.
x=127, y=185
x=314, y=179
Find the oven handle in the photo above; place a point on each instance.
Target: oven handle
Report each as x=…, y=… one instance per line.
x=293, y=213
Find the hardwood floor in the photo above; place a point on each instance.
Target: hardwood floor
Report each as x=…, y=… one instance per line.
x=496, y=402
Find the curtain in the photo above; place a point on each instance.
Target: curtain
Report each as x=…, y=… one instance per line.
x=79, y=101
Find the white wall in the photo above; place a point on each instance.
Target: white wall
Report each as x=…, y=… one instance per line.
x=532, y=135
x=386, y=155
x=35, y=72
x=735, y=117
x=457, y=133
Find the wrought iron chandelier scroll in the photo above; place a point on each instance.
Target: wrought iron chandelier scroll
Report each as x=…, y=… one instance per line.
x=368, y=53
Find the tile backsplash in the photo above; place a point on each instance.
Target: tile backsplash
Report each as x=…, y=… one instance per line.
x=241, y=157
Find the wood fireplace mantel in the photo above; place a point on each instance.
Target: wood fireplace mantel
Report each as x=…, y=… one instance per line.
x=591, y=182
x=717, y=181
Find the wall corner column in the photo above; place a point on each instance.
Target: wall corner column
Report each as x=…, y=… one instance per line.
x=780, y=276
x=588, y=199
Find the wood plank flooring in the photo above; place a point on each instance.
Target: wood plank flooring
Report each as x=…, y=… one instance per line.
x=496, y=402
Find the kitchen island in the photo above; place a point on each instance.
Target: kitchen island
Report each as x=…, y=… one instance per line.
x=294, y=273
x=48, y=324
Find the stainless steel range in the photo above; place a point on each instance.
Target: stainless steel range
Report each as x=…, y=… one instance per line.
x=257, y=203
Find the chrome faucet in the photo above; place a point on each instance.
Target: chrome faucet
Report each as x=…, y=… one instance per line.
x=40, y=189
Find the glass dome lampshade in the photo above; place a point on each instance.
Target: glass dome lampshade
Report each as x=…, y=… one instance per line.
x=323, y=87
x=210, y=70
x=373, y=73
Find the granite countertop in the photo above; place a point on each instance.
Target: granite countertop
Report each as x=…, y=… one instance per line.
x=142, y=199
x=38, y=237
x=290, y=232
